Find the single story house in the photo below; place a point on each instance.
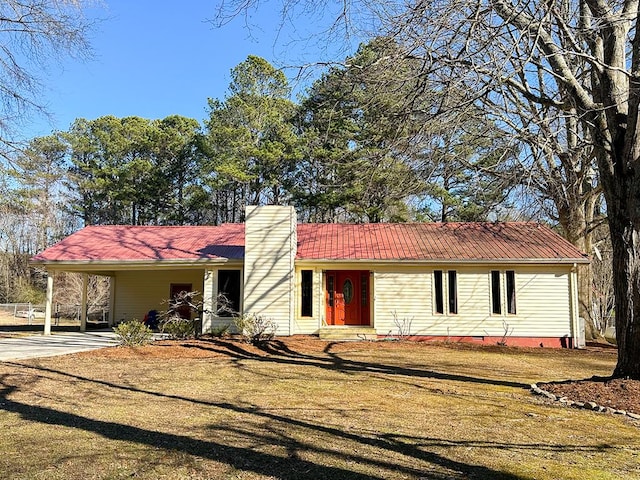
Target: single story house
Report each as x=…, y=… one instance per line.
x=482, y=282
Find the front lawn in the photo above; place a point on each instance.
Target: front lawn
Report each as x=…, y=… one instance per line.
x=307, y=409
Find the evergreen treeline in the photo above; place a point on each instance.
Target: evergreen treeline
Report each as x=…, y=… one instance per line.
x=357, y=147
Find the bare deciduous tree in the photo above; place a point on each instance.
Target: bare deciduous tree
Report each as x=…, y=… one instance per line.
x=575, y=64
x=33, y=35
x=68, y=291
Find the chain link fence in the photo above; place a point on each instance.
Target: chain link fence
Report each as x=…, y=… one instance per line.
x=62, y=314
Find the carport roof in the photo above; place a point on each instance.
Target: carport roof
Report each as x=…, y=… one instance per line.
x=123, y=243
x=427, y=242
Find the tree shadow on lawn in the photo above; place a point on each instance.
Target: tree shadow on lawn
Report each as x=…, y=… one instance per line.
x=279, y=352
x=285, y=468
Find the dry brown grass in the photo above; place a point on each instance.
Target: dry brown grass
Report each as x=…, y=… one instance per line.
x=307, y=409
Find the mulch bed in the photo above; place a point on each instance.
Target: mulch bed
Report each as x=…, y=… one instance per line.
x=618, y=393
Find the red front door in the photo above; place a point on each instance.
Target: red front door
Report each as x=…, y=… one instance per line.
x=347, y=297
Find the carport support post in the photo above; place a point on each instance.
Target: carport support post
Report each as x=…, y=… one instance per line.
x=112, y=300
x=83, y=312
x=48, y=304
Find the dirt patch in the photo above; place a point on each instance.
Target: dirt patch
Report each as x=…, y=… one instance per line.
x=618, y=393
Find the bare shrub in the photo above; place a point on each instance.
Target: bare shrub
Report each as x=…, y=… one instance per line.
x=255, y=329
x=173, y=324
x=403, y=325
x=508, y=331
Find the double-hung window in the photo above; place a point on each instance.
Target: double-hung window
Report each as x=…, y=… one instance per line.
x=511, y=291
x=451, y=290
x=496, y=297
x=438, y=291
x=306, y=292
x=496, y=292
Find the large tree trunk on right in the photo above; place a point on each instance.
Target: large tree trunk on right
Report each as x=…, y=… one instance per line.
x=625, y=239
x=621, y=186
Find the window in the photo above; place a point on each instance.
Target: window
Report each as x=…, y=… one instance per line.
x=331, y=289
x=347, y=291
x=439, y=293
x=228, y=292
x=511, y=292
x=453, y=292
x=496, y=301
x=364, y=294
x=306, y=290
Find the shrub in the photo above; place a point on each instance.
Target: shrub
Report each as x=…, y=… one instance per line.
x=178, y=328
x=133, y=333
x=221, y=331
x=255, y=329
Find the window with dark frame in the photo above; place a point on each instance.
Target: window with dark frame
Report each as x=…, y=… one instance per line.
x=306, y=290
x=438, y=290
x=453, y=291
x=511, y=292
x=496, y=301
x=228, y=292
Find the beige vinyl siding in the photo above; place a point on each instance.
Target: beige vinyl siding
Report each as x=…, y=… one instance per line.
x=542, y=302
x=270, y=241
x=405, y=294
x=138, y=291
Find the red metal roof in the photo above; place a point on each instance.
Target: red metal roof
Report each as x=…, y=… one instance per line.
x=433, y=242
x=115, y=243
x=339, y=242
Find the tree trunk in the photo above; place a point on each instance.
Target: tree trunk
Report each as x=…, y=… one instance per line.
x=621, y=185
x=625, y=240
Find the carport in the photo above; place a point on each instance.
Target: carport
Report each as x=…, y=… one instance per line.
x=146, y=265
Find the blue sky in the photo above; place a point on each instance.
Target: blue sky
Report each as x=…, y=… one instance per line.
x=157, y=58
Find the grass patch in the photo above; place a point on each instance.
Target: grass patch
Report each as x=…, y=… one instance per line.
x=222, y=409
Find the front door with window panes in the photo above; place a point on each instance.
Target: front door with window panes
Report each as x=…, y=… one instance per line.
x=347, y=297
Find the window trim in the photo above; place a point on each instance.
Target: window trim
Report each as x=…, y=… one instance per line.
x=452, y=290
x=240, y=293
x=511, y=292
x=438, y=292
x=306, y=293
x=445, y=292
x=508, y=292
x=495, y=283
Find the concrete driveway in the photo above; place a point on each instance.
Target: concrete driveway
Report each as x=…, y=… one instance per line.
x=34, y=346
